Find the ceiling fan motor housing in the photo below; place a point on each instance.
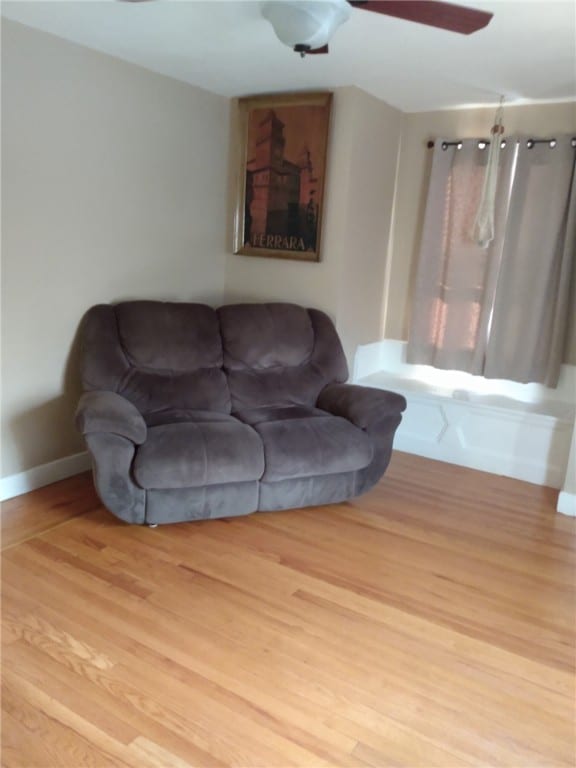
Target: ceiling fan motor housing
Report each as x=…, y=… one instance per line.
x=307, y=24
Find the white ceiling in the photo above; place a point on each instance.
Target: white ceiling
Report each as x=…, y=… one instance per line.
x=527, y=53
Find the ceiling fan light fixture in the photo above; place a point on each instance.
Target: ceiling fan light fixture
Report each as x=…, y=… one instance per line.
x=306, y=23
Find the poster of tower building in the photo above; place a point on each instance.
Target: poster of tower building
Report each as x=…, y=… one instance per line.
x=282, y=179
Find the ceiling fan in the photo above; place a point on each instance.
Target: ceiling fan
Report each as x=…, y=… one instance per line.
x=306, y=26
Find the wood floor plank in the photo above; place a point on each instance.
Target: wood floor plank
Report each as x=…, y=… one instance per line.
x=33, y=513
x=428, y=623
x=214, y=708
x=141, y=557
x=63, y=738
x=121, y=711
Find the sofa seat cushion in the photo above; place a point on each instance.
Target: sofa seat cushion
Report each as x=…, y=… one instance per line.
x=278, y=413
x=317, y=445
x=191, y=455
x=180, y=415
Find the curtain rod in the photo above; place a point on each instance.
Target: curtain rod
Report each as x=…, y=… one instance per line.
x=482, y=143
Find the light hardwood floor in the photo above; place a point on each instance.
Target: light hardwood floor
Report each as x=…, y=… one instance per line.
x=428, y=623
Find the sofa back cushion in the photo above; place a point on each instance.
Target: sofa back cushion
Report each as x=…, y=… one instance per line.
x=167, y=336
x=159, y=355
x=279, y=354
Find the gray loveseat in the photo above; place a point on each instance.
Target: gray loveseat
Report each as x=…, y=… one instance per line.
x=192, y=413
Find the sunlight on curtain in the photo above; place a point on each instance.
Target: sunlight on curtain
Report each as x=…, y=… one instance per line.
x=499, y=311
x=530, y=305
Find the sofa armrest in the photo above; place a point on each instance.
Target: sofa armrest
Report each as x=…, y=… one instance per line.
x=363, y=406
x=108, y=412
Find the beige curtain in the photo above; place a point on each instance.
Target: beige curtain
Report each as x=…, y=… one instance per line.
x=501, y=311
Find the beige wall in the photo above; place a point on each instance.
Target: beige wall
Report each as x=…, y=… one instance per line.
x=349, y=281
x=414, y=170
x=112, y=181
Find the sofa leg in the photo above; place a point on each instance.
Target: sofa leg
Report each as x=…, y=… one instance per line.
x=152, y=525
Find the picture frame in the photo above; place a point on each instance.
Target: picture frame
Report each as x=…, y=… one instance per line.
x=283, y=152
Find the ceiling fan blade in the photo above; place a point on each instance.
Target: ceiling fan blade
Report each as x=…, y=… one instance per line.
x=455, y=18
x=323, y=49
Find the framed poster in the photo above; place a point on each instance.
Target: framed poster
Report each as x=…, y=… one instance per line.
x=282, y=177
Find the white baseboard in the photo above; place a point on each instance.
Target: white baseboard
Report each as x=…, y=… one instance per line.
x=567, y=503
x=424, y=443
x=510, y=441
x=15, y=485
x=538, y=456
x=518, y=430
